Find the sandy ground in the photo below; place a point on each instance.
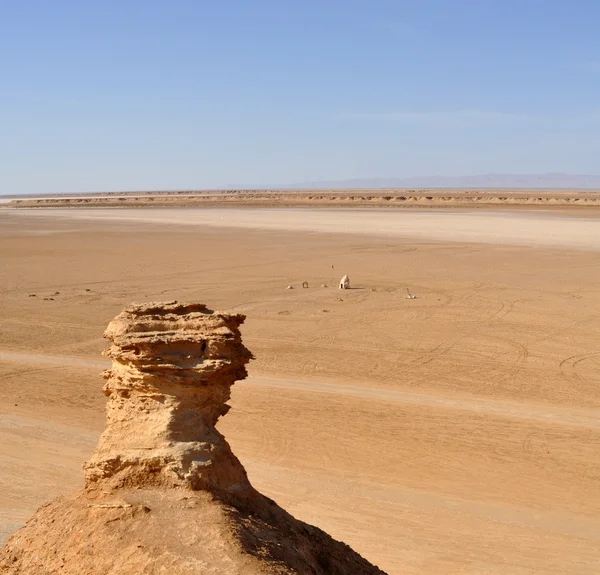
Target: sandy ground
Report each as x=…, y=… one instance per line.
x=454, y=433
x=508, y=227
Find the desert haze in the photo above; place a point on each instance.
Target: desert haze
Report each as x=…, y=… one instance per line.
x=456, y=432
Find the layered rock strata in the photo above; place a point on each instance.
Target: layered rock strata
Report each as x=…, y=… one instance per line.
x=163, y=491
x=171, y=376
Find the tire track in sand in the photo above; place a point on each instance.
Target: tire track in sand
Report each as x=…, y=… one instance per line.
x=587, y=418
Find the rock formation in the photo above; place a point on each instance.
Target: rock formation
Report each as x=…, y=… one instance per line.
x=163, y=491
x=173, y=368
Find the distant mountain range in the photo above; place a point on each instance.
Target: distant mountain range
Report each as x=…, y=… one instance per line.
x=503, y=181
x=484, y=181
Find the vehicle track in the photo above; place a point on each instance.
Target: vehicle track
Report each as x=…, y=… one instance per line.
x=568, y=367
x=587, y=418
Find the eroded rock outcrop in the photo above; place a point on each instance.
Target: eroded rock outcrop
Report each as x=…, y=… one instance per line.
x=163, y=491
x=173, y=368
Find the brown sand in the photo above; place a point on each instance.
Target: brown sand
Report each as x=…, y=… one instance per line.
x=454, y=433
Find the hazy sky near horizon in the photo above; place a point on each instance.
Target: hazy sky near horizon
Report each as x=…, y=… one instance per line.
x=177, y=94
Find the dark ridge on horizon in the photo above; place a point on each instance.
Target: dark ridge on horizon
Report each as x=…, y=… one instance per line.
x=548, y=181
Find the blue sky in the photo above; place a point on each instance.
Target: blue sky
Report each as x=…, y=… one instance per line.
x=179, y=94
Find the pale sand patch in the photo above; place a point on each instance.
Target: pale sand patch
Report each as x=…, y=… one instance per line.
x=510, y=227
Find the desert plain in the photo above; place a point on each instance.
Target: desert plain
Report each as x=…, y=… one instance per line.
x=454, y=433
